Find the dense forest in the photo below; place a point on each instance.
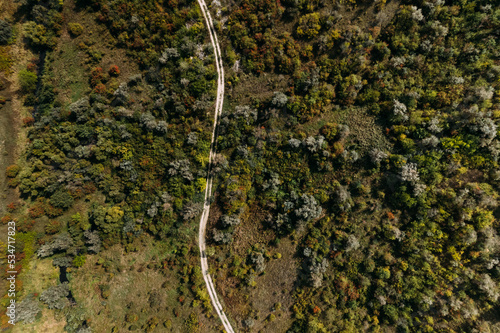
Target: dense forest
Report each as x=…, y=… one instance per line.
x=356, y=177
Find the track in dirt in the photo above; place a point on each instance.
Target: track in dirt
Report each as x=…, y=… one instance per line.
x=208, y=190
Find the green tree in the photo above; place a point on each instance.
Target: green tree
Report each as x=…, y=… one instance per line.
x=75, y=29
x=79, y=261
x=309, y=25
x=61, y=199
x=27, y=81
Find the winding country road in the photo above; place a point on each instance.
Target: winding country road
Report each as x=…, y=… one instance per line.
x=208, y=190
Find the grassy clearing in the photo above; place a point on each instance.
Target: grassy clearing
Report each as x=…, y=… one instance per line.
x=69, y=73
x=128, y=291
x=256, y=87
x=39, y=275
x=275, y=287
x=365, y=131
x=71, y=64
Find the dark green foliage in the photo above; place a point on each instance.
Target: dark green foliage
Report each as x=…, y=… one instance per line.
x=5, y=32
x=61, y=199
x=92, y=134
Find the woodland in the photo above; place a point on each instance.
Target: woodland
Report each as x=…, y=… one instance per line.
x=356, y=179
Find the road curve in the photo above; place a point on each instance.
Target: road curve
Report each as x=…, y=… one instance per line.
x=208, y=189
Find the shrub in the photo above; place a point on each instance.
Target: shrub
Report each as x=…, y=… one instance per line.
x=152, y=323
x=12, y=207
x=100, y=89
x=97, y=76
x=258, y=259
x=28, y=121
x=6, y=219
x=105, y=290
x=32, y=67
x=75, y=29
x=25, y=225
x=52, y=227
x=114, y=70
x=36, y=211
x=93, y=241
x=131, y=317
x=27, y=80
x=167, y=323
x=94, y=55
x=55, y=297
x=229, y=221
x=59, y=242
x=309, y=208
x=221, y=237
x=13, y=170
x=61, y=199
x=52, y=211
x=79, y=261
x=30, y=99
x=309, y=25
x=329, y=131
x=249, y=322
x=27, y=310
x=279, y=99
x=38, y=36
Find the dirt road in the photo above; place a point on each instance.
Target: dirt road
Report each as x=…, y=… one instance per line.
x=208, y=190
